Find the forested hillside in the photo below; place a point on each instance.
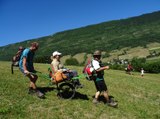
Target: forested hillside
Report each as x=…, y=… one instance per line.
x=107, y=36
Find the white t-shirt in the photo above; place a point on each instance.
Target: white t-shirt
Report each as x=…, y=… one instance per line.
x=95, y=64
x=57, y=65
x=142, y=71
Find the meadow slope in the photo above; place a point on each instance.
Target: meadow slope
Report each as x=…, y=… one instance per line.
x=138, y=98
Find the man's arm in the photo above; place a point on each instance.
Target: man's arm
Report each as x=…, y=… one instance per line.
x=102, y=68
x=25, y=65
x=97, y=66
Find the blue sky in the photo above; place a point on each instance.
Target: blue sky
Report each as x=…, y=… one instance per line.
x=27, y=19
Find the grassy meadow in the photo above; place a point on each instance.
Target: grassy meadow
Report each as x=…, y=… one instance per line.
x=138, y=97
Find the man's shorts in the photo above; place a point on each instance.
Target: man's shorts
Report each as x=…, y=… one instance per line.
x=100, y=85
x=23, y=71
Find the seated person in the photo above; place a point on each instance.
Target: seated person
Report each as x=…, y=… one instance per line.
x=56, y=65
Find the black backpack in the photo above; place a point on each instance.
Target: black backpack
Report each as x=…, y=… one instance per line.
x=16, y=58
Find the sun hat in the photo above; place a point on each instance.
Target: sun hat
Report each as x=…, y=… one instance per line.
x=56, y=53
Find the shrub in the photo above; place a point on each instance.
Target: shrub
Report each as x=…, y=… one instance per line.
x=138, y=63
x=117, y=67
x=152, y=67
x=71, y=61
x=42, y=59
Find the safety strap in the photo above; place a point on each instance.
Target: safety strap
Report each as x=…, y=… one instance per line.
x=41, y=75
x=79, y=76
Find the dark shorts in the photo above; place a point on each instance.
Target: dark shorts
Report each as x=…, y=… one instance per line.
x=100, y=85
x=23, y=71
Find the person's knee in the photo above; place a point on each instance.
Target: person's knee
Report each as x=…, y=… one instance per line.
x=33, y=78
x=98, y=93
x=105, y=93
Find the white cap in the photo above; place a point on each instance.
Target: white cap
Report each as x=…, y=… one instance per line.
x=56, y=53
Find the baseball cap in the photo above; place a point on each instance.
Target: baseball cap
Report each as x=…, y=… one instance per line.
x=56, y=53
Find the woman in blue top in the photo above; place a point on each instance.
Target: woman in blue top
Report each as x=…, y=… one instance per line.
x=27, y=68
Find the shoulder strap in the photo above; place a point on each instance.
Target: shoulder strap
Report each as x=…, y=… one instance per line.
x=92, y=64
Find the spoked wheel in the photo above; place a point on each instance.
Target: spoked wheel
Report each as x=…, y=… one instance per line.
x=66, y=91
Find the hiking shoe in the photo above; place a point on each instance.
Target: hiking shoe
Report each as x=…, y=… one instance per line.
x=31, y=91
x=36, y=92
x=40, y=94
x=95, y=101
x=112, y=104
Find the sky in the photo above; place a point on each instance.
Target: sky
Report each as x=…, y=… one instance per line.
x=22, y=20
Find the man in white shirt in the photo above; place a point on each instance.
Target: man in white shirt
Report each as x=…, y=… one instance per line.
x=99, y=81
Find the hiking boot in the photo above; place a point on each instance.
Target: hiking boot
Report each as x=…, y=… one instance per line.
x=40, y=94
x=112, y=104
x=95, y=101
x=31, y=91
x=36, y=92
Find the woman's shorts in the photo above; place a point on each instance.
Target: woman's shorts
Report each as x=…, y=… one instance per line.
x=100, y=85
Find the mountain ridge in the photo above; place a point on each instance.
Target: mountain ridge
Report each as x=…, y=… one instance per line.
x=106, y=36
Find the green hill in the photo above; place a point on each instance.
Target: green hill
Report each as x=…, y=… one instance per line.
x=108, y=36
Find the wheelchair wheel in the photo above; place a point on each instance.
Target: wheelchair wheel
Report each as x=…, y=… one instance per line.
x=66, y=91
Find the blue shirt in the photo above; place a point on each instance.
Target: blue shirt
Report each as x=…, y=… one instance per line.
x=29, y=63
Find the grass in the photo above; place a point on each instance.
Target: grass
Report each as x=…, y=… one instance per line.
x=80, y=57
x=153, y=59
x=138, y=98
x=153, y=45
x=138, y=52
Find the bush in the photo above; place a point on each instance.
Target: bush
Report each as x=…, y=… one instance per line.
x=138, y=63
x=152, y=67
x=117, y=67
x=71, y=61
x=42, y=59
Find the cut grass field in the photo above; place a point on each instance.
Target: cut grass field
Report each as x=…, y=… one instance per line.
x=138, y=98
x=153, y=59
